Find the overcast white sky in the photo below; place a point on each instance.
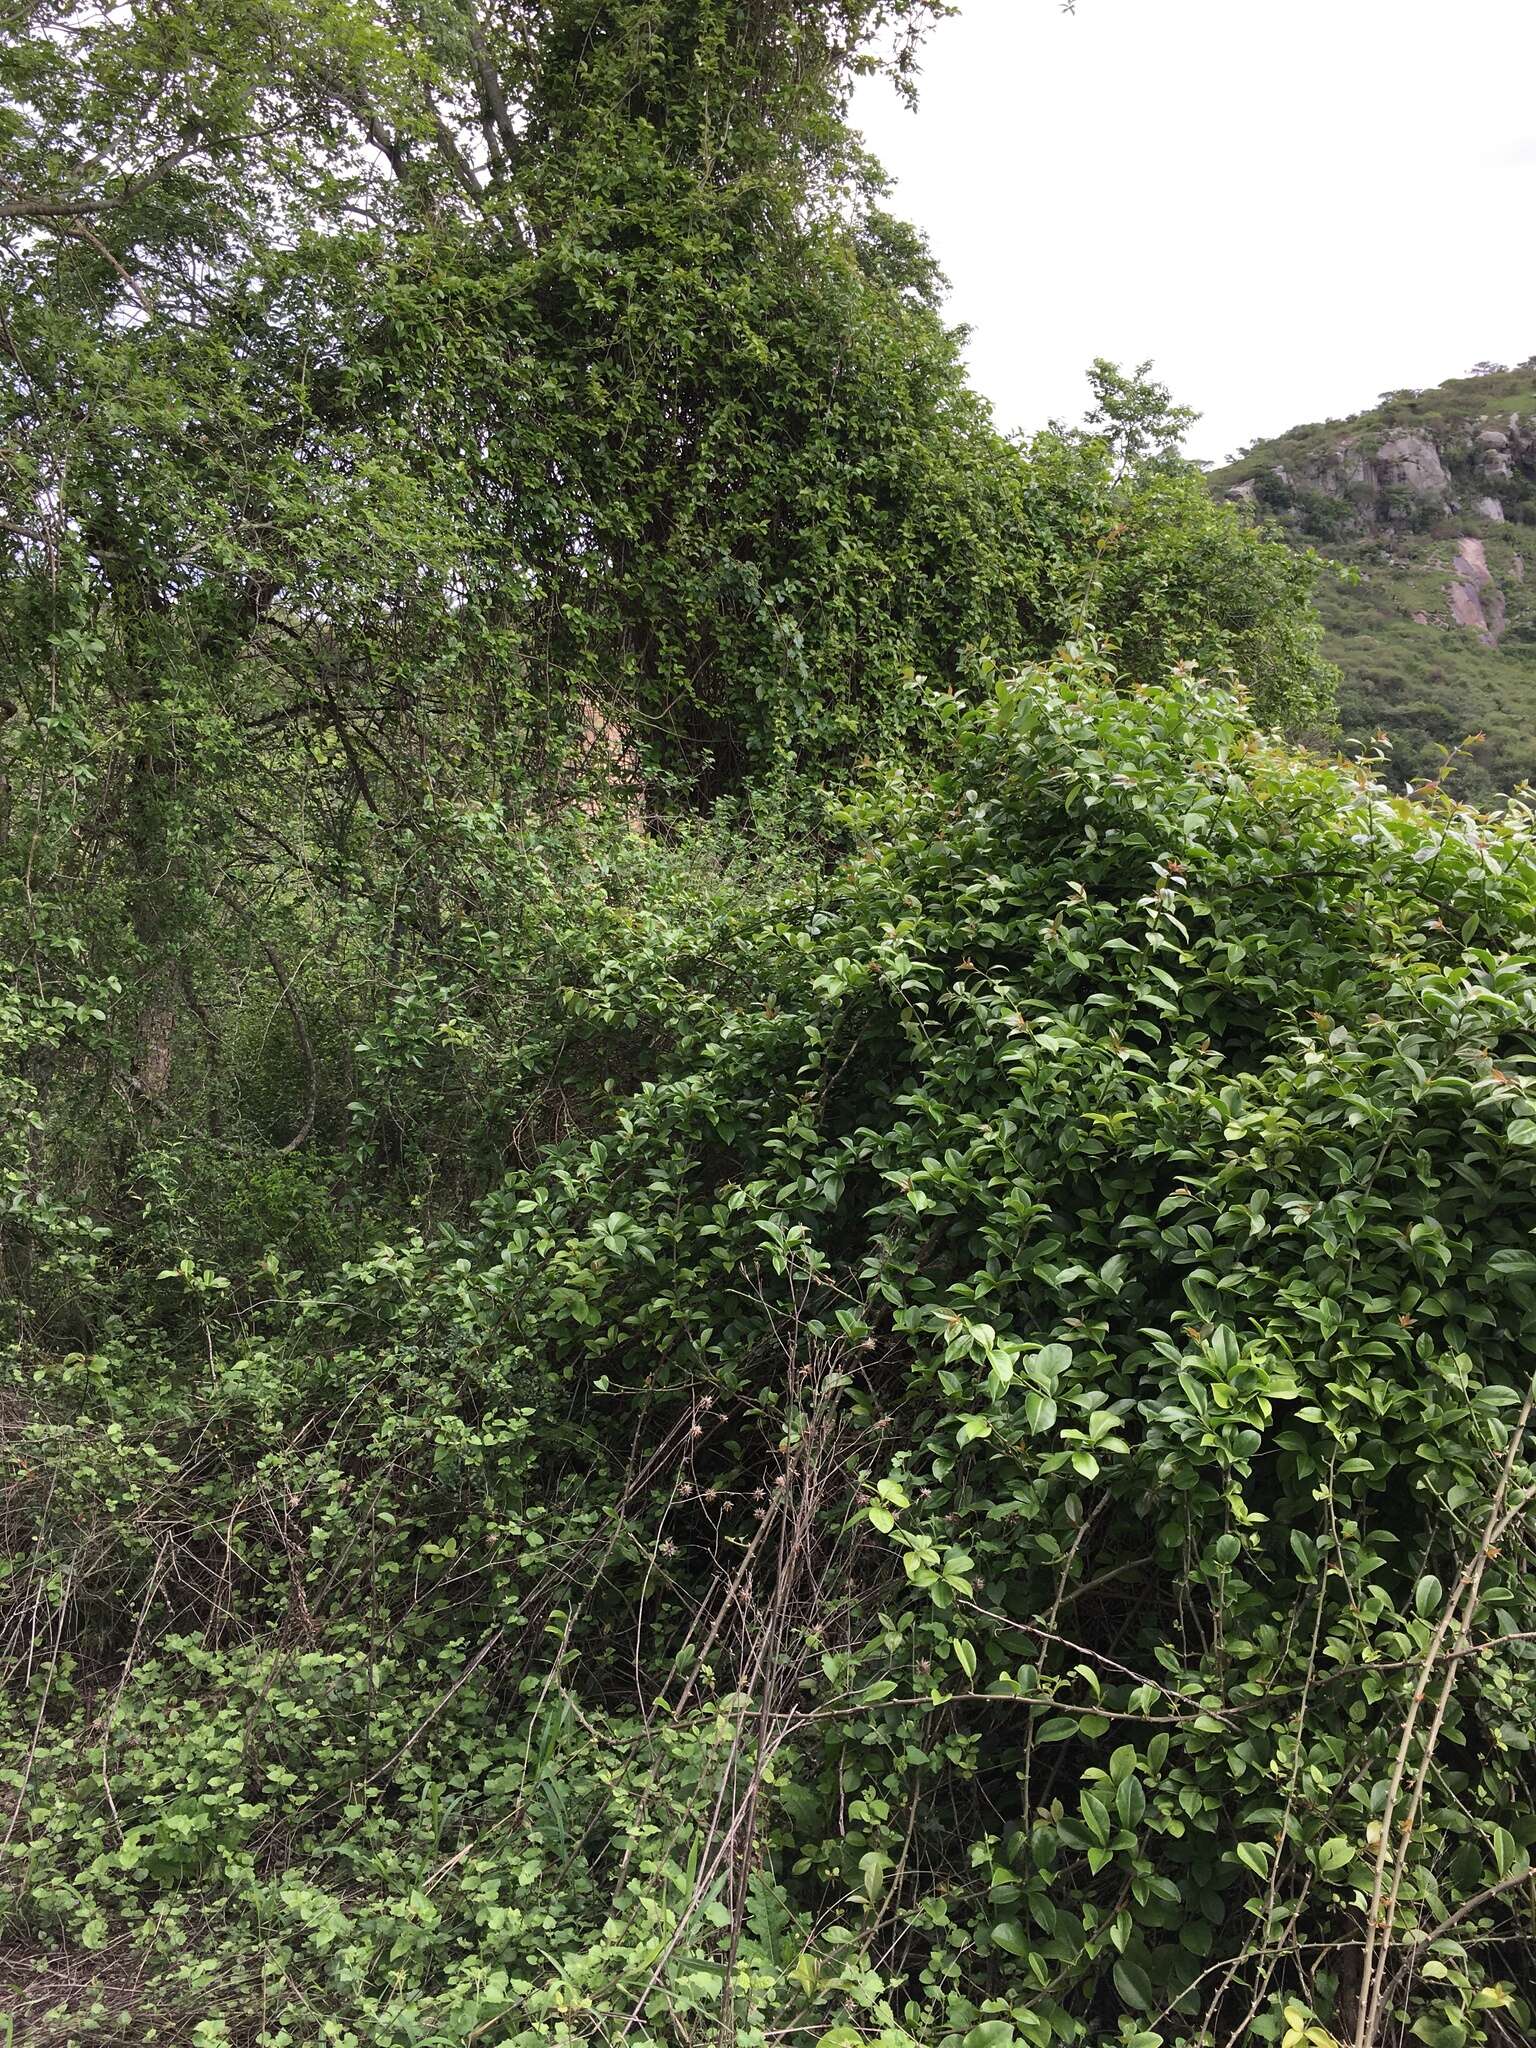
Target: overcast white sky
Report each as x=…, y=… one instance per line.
x=1291, y=205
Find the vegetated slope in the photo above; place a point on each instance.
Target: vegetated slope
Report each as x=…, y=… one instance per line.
x=1429, y=500
x=978, y=1496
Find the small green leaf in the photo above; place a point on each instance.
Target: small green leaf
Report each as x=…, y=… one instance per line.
x=1039, y=1412
x=1009, y=1936
x=1133, y=1984
x=990, y=2034
x=1095, y=1815
x=1507, y=1853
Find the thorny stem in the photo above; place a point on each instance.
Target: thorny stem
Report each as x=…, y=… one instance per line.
x=1459, y=1611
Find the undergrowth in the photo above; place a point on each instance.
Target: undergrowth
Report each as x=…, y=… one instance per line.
x=977, y=1493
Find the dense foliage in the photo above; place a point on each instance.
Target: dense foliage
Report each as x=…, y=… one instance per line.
x=413, y=411
x=981, y=1494
x=420, y=414
x=704, y=1342
x=379, y=371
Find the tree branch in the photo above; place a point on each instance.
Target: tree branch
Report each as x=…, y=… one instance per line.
x=449, y=150
x=31, y=206
x=490, y=86
x=1464, y=1911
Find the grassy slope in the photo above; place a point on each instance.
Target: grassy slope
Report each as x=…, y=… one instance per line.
x=1427, y=686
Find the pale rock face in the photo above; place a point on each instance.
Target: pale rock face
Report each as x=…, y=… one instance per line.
x=1413, y=461
x=1409, y=465
x=1476, y=600
x=1346, y=466
x=1498, y=447
x=1517, y=568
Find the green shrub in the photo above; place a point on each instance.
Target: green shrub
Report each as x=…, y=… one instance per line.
x=985, y=1502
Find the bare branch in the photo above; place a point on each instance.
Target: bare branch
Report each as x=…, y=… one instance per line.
x=490, y=86
x=32, y=206
x=449, y=150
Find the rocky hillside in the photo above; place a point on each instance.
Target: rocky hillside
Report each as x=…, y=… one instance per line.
x=1428, y=504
